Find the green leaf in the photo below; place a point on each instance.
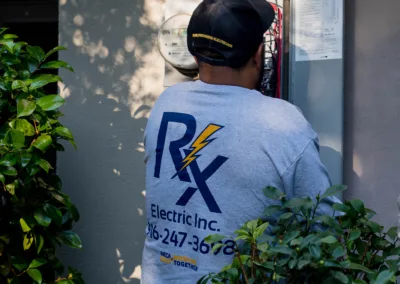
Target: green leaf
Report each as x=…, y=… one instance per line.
x=54, y=213
x=8, y=44
x=23, y=126
x=54, y=50
x=64, y=132
x=273, y=193
x=39, y=243
x=44, y=165
x=2, y=178
x=284, y=217
x=2, y=30
x=338, y=252
x=28, y=241
x=341, y=207
x=10, y=36
x=18, y=84
x=9, y=171
x=329, y=240
x=369, y=213
x=71, y=239
x=330, y=263
x=42, y=218
x=298, y=202
x=233, y=274
x=307, y=240
x=43, y=142
x=392, y=233
x=288, y=237
x=18, y=46
x=42, y=80
x=358, y=205
x=340, y=276
x=74, y=213
x=11, y=188
x=334, y=190
x=394, y=251
x=35, y=275
x=260, y=230
x=355, y=266
x=297, y=241
x=281, y=249
x=25, y=159
x=271, y=210
x=263, y=247
x=25, y=227
x=19, y=263
x=8, y=160
x=252, y=225
x=384, y=277
x=315, y=251
x=217, y=246
x=50, y=102
x=25, y=108
x=37, y=262
x=36, y=52
x=214, y=239
x=303, y=263
x=32, y=65
x=15, y=138
x=375, y=227
x=56, y=65
x=61, y=197
x=354, y=235
x=329, y=221
x=292, y=263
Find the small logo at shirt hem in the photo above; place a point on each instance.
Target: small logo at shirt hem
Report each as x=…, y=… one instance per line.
x=180, y=261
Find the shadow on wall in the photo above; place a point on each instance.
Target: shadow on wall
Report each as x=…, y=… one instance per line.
x=118, y=76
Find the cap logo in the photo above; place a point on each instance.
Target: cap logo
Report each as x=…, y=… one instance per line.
x=213, y=39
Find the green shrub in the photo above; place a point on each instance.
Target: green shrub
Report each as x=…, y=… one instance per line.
x=35, y=215
x=301, y=247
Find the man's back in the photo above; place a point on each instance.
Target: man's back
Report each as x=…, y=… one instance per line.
x=210, y=150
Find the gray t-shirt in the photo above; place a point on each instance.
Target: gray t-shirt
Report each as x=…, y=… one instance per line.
x=210, y=150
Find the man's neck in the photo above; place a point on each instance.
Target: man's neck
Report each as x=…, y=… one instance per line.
x=224, y=76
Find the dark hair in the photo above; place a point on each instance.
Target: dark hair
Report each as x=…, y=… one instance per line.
x=214, y=55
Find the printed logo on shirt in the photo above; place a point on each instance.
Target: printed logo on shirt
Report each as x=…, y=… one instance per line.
x=192, y=151
x=180, y=261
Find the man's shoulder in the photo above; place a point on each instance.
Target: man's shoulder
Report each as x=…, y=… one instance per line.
x=277, y=112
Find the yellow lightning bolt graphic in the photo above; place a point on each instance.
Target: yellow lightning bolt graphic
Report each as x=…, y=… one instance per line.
x=199, y=144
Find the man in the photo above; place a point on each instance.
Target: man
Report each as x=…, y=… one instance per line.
x=214, y=144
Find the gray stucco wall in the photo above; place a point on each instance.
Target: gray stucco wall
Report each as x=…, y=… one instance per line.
x=372, y=105
x=118, y=75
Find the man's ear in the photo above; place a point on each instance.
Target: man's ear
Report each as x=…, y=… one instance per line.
x=259, y=57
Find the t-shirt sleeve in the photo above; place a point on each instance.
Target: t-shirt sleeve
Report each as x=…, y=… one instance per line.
x=308, y=177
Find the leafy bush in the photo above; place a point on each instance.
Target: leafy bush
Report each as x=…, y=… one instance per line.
x=300, y=247
x=35, y=215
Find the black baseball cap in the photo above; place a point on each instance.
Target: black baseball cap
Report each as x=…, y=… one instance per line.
x=233, y=29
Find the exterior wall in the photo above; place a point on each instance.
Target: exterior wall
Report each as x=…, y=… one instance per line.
x=118, y=75
x=372, y=104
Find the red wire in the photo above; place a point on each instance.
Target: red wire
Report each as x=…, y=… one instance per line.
x=277, y=33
